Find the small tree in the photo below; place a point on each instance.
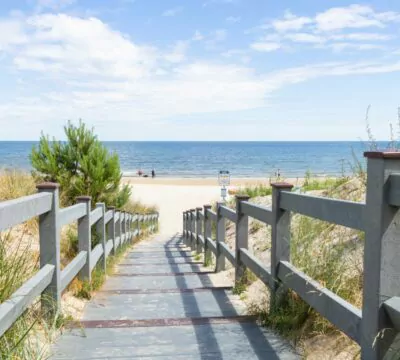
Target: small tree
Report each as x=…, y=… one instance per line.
x=82, y=166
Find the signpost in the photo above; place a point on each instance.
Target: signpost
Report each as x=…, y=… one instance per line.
x=224, y=180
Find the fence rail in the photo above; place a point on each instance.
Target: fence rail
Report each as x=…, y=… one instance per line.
x=378, y=217
x=113, y=227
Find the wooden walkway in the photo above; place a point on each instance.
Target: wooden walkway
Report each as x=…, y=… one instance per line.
x=161, y=304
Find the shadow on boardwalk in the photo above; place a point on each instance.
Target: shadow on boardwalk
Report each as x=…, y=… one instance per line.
x=161, y=305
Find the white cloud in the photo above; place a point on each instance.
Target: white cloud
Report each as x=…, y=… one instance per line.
x=290, y=22
x=265, y=46
x=216, y=37
x=100, y=73
x=341, y=46
x=353, y=16
x=172, y=12
x=305, y=38
x=362, y=36
x=178, y=53
x=233, y=19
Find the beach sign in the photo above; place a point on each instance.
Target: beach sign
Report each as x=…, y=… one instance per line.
x=224, y=178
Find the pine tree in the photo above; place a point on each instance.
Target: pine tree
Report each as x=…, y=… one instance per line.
x=82, y=165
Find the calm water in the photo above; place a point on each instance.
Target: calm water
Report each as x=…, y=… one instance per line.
x=205, y=159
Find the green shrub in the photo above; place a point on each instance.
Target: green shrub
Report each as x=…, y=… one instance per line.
x=82, y=166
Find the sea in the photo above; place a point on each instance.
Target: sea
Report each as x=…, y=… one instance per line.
x=206, y=159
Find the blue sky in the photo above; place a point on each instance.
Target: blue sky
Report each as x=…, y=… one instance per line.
x=199, y=69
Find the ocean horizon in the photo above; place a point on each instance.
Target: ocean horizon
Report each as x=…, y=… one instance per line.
x=204, y=159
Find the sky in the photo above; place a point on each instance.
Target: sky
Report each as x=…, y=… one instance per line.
x=257, y=70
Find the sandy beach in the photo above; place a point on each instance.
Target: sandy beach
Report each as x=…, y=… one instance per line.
x=172, y=196
x=135, y=180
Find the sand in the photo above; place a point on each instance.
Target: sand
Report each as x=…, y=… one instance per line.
x=201, y=181
x=172, y=196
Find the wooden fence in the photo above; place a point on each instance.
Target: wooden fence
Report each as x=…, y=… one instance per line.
x=113, y=227
x=377, y=325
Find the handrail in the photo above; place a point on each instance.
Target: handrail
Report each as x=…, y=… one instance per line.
x=377, y=217
x=12, y=309
x=72, y=269
x=13, y=212
x=50, y=278
x=72, y=213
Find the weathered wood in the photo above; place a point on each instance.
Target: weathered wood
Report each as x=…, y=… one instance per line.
x=72, y=213
x=394, y=190
x=212, y=245
x=207, y=232
x=49, y=242
x=199, y=229
x=108, y=216
x=381, y=259
x=228, y=253
x=13, y=308
x=95, y=216
x=280, y=237
x=260, y=213
x=201, y=240
x=72, y=269
x=109, y=247
x=85, y=238
x=212, y=215
x=14, y=212
x=341, y=212
x=228, y=213
x=101, y=233
x=339, y=312
x=241, y=238
x=116, y=216
x=220, y=258
x=257, y=267
x=111, y=229
x=95, y=256
x=392, y=308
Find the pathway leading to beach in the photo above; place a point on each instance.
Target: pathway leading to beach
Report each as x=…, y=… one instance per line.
x=162, y=304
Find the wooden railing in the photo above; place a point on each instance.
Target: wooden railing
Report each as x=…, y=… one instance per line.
x=377, y=325
x=113, y=227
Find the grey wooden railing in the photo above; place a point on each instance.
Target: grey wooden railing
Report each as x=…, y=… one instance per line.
x=377, y=325
x=113, y=227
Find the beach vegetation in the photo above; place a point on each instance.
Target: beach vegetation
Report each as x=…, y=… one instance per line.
x=81, y=165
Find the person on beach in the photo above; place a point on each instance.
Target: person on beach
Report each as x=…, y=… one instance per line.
x=153, y=174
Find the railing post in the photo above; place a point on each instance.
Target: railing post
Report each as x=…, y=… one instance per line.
x=187, y=226
x=138, y=224
x=184, y=227
x=123, y=230
x=101, y=232
x=49, y=237
x=128, y=226
x=198, y=230
x=193, y=229
x=85, y=237
x=381, y=257
x=118, y=228
x=207, y=234
x=280, y=235
x=220, y=258
x=111, y=228
x=242, y=236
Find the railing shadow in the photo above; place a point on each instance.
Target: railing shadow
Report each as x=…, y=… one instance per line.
x=260, y=345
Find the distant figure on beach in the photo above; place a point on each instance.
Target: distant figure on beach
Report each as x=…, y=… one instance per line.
x=153, y=173
x=140, y=172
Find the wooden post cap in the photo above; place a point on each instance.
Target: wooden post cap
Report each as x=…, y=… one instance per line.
x=48, y=185
x=83, y=198
x=281, y=185
x=382, y=155
x=242, y=197
x=207, y=206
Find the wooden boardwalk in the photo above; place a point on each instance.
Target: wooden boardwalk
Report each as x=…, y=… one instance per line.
x=161, y=304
